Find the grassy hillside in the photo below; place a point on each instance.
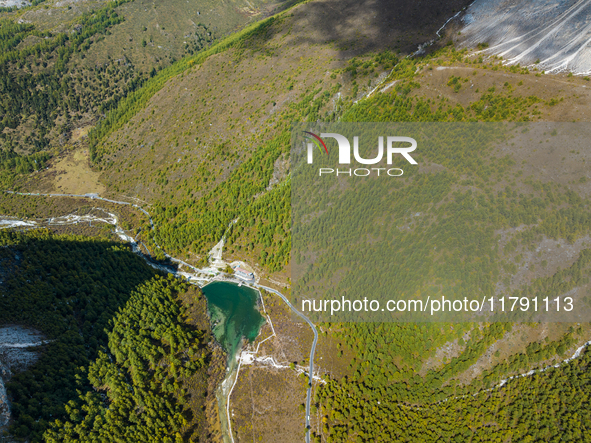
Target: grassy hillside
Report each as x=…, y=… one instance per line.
x=221, y=118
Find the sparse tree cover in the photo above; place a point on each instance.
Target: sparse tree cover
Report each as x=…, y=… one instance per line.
x=16, y=8
x=131, y=105
x=45, y=92
x=37, y=83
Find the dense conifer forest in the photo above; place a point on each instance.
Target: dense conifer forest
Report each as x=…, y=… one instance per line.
x=114, y=327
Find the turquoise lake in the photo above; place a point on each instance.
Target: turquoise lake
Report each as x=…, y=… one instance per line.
x=233, y=313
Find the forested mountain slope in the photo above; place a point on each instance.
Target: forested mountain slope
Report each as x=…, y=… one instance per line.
x=209, y=134
x=210, y=144
x=64, y=64
x=112, y=325
x=207, y=139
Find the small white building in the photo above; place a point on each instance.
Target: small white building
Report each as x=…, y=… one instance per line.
x=243, y=273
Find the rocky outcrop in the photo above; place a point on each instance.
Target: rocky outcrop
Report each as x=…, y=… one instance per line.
x=4, y=407
x=17, y=352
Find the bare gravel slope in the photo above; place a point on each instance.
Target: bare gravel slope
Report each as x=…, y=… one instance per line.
x=554, y=33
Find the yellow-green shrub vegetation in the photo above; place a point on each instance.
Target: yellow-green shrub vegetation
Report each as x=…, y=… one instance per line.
x=265, y=222
x=388, y=357
x=12, y=165
x=204, y=221
x=385, y=60
x=141, y=380
x=399, y=105
x=198, y=224
x=452, y=247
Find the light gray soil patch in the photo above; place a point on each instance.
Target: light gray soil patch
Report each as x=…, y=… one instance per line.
x=17, y=352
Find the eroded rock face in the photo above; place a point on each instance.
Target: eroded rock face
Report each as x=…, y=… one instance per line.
x=4, y=408
x=17, y=352
x=550, y=34
x=11, y=3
